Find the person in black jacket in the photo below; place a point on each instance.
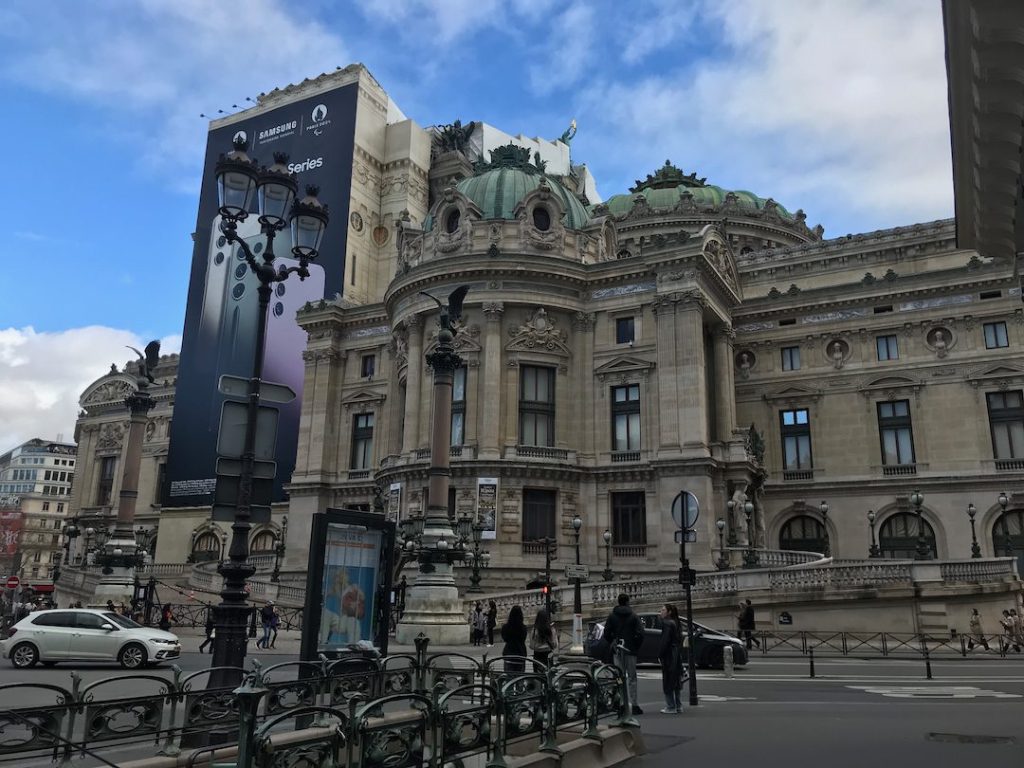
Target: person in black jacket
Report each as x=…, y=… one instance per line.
x=513, y=632
x=209, y=630
x=622, y=624
x=668, y=655
x=747, y=625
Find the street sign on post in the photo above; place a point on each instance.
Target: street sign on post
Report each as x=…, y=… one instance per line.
x=573, y=571
x=231, y=435
x=685, y=503
x=236, y=386
x=13, y=582
x=691, y=536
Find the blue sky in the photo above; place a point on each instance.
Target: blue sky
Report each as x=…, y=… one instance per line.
x=836, y=107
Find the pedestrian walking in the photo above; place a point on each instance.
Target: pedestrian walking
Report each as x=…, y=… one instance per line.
x=669, y=656
x=625, y=626
x=1018, y=629
x=400, y=596
x=513, y=632
x=977, y=633
x=266, y=618
x=1008, y=638
x=167, y=618
x=747, y=625
x=209, y=629
x=543, y=639
x=275, y=623
x=492, y=621
x=478, y=624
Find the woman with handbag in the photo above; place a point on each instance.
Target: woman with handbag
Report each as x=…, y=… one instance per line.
x=543, y=639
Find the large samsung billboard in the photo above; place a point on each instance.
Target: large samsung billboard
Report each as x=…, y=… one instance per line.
x=318, y=135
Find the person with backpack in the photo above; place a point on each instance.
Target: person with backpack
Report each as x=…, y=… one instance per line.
x=266, y=622
x=622, y=624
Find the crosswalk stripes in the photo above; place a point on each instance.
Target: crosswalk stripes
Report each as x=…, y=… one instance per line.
x=934, y=692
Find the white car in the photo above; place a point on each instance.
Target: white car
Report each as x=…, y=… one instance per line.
x=86, y=635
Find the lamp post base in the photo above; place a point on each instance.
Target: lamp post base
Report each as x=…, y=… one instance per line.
x=433, y=608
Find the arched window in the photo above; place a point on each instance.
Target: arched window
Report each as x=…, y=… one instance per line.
x=206, y=547
x=541, y=218
x=451, y=221
x=897, y=538
x=1008, y=537
x=263, y=541
x=803, y=534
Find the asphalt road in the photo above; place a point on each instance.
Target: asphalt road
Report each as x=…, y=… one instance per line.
x=771, y=713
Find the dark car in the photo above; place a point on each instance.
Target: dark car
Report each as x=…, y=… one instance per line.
x=709, y=644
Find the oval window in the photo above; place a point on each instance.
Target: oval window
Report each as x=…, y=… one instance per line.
x=541, y=218
x=452, y=222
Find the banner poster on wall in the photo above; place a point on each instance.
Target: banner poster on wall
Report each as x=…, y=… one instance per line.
x=487, y=506
x=394, y=508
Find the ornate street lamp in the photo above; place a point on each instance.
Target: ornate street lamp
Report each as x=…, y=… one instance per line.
x=723, y=563
x=238, y=180
x=608, y=574
x=471, y=529
x=750, y=557
x=874, y=551
x=975, y=547
x=923, y=551
x=730, y=507
x=823, y=508
x=279, y=549
x=577, y=598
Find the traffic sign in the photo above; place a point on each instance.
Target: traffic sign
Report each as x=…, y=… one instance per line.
x=13, y=582
x=685, y=502
x=691, y=536
x=573, y=571
x=231, y=435
x=260, y=469
x=236, y=386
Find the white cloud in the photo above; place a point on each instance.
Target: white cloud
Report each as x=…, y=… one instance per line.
x=42, y=375
x=569, y=52
x=155, y=65
x=439, y=24
x=839, y=108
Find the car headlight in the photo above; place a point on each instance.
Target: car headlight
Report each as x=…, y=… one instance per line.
x=159, y=641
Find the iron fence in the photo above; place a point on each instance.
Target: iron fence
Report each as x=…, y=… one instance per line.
x=770, y=642
x=404, y=711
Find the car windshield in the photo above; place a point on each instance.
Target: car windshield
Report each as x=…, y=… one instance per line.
x=123, y=621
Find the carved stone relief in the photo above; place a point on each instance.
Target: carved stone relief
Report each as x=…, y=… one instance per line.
x=745, y=362
x=539, y=333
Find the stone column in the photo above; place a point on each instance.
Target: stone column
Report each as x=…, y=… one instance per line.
x=491, y=389
x=725, y=402
x=413, y=377
x=692, y=375
x=668, y=380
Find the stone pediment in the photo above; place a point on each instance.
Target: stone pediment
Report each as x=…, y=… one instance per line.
x=718, y=255
x=889, y=386
x=467, y=339
x=1001, y=370
x=625, y=367
x=363, y=398
x=793, y=394
x=539, y=334
x=109, y=390
x=892, y=381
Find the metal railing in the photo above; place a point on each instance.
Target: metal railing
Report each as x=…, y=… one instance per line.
x=825, y=643
x=405, y=711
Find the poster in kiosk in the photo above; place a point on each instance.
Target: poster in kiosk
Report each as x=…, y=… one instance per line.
x=348, y=584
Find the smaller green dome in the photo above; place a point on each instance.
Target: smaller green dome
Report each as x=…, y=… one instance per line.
x=499, y=186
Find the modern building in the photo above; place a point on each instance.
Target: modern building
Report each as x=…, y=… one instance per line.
x=675, y=336
x=36, y=482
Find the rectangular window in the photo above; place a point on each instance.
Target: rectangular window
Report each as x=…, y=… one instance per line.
x=995, y=336
x=60, y=510
x=791, y=358
x=538, y=514
x=537, y=406
x=106, y=484
x=896, y=433
x=887, y=347
x=362, y=441
x=796, y=439
x=625, y=330
x=626, y=418
x=367, y=366
x=47, y=475
x=629, y=518
x=46, y=506
x=459, y=406
x=1006, y=420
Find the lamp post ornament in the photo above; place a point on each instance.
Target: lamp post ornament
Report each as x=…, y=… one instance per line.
x=874, y=551
x=923, y=551
x=823, y=507
x=607, y=575
x=975, y=547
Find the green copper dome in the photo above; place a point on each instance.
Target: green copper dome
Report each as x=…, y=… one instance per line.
x=668, y=185
x=500, y=185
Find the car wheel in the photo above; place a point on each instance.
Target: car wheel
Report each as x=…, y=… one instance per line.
x=132, y=656
x=24, y=656
x=714, y=658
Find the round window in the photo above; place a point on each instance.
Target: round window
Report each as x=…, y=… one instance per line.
x=451, y=223
x=541, y=218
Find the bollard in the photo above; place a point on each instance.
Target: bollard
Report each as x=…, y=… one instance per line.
x=728, y=664
x=810, y=652
x=928, y=664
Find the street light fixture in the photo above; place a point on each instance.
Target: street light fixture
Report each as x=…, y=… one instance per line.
x=238, y=179
x=577, y=598
x=723, y=562
x=470, y=529
x=923, y=551
x=279, y=549
x=874, y=551
x=750, y=557
x=608, y=574
x=823, y=508
x=975, y=547
x=730, y=507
